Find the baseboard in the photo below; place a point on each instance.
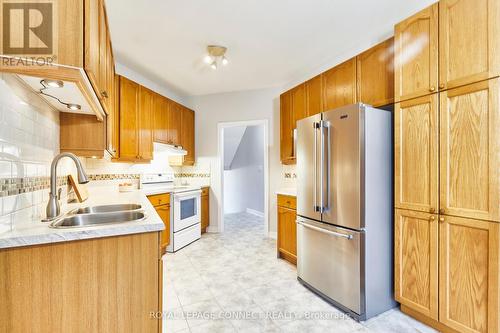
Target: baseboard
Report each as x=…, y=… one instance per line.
x=255, y=212
x=272, y=234
x=212, y=229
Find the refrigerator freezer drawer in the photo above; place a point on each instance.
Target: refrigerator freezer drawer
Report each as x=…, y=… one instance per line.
x=329, y=259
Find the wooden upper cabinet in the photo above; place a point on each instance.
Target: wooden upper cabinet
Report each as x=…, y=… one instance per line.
x=286, y=129
x=129, y=108
x=174, y=123
x=187, y=135
x=299, y=103
x=145, y=124
x=314, y=95
x=416, y=253
x=468, y=274
x=416, y=154
x=375, y=70
x=468, y=41
x=114, y=125
x=416, y=55
x=469, y=141
x=92, y=42
x=339, y=85
x=160, y=119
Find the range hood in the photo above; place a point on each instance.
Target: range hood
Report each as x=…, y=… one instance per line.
x=170, y=149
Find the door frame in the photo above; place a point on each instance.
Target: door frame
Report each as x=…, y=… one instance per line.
x=220, y=158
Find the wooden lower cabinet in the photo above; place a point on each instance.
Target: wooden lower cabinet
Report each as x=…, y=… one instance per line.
x=416, y=261
x=287, y=229
x=447, y=271
x=97, y=285
x=161, y=203
x=468, y=274
x=205, y=208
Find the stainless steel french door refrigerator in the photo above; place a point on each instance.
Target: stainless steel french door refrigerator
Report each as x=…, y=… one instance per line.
x=344, y=208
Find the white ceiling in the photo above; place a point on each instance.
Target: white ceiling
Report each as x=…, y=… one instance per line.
x=270, y=42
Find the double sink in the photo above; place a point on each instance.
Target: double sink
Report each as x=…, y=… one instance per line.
x=100, y=215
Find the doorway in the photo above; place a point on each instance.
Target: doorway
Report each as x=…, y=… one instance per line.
x=243, y=160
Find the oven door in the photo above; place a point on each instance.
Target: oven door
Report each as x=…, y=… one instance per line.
x=187, y=209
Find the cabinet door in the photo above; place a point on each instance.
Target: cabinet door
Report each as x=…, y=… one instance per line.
x=92, y=42
x=468, y=41
x=115, y=133
x=103, y=94
x=160, y=116
x=375, y=70
x=187, y=135
x=205, y=212
x=174, y=123
x=416, y=154
x=129, y=105
x=469, y=145
x=287, y=233
x=145, y=124
x=339, y=85
x=299, y=104
x=416, y=55
x=416, y=261
x=164, y=213
x=314, y=95
x=286, y=129
x=468, y=286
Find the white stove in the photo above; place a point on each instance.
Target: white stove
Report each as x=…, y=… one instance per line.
x=185, y=208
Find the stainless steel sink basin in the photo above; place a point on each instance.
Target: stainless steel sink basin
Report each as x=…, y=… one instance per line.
x=106, y=209
x=85, y=220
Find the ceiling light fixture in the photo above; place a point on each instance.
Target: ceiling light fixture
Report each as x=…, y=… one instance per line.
x=216, y=54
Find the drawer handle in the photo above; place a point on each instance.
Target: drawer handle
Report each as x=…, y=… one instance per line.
x=328, y=232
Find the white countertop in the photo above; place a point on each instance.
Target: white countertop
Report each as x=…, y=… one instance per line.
x=287, y=191
x=31, y=231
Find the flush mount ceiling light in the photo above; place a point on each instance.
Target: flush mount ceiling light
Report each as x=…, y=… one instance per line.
x=216, y=54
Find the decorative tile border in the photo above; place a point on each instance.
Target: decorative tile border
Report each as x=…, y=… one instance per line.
x=113, y=176
x=192, y=175
x=15, y=186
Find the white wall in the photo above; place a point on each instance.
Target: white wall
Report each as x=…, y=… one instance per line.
x=232, y=107
x=244, y=181
x=161, y=89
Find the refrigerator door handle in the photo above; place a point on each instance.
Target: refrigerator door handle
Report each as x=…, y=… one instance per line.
x=321, y=165
x=315, y=175
x=325, y=231
x=326, y=125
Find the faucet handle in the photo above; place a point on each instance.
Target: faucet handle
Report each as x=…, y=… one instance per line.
x=59, y=193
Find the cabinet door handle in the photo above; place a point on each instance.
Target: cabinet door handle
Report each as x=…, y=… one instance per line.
x=441, y=211
x=105, y=94
x=441, y=86
x=432, y=210
x=432, y=88
x=441, y=219
x=432, y=218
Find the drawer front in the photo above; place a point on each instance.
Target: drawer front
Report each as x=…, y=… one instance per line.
x=287, y=201
x=204, y=191
x=159, y=199
x=186, y=236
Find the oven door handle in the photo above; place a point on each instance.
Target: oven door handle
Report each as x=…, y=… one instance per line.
x=188, y=194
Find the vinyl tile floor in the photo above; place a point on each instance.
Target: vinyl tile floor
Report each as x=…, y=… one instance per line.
x=233, y=282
